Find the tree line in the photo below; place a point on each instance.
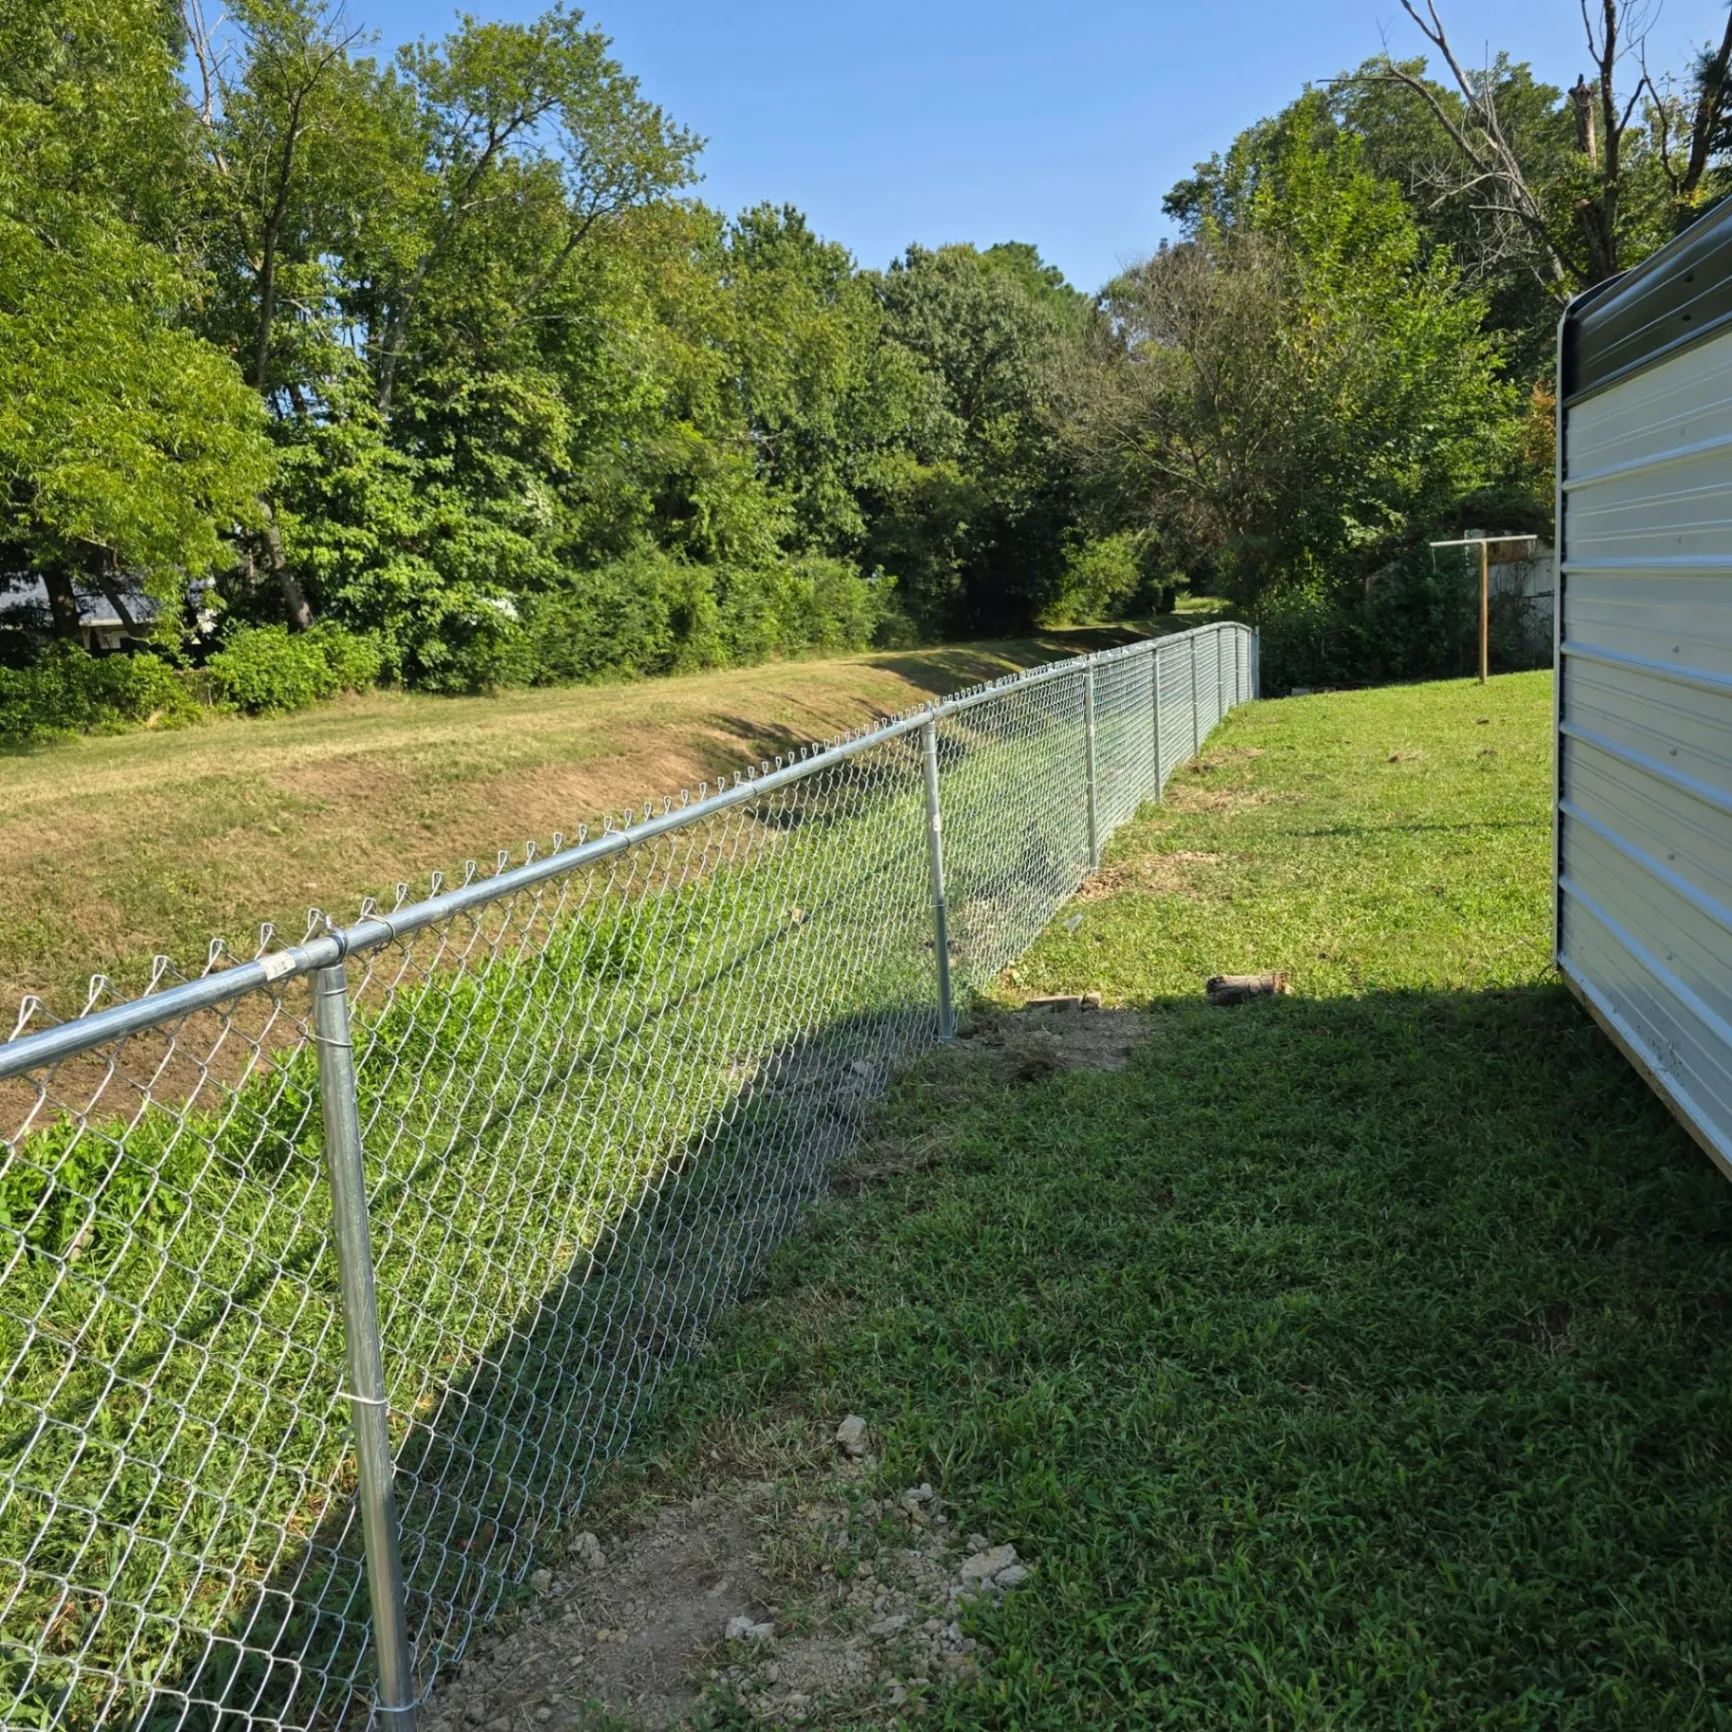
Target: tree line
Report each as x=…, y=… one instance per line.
x=320, y=366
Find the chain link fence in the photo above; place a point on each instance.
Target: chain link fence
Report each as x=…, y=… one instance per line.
x=330, y=1275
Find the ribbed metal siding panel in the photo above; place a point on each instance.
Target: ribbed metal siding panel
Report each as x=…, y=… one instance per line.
x=1645, y=722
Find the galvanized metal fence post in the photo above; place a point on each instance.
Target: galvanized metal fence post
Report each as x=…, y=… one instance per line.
x=1196, y=737
x=364, y=1353
x=1256, y=661
x=1155, y=681
x=1089, y=761
x=1220, y=677
x=935, y=859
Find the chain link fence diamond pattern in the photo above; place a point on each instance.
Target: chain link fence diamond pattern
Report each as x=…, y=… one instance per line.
x=590, y=1092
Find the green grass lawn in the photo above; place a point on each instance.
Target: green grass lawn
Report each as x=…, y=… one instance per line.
x=1358, y=1359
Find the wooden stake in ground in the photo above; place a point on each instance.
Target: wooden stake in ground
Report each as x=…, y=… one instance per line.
x=1239, y=988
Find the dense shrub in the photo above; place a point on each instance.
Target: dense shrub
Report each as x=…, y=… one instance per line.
x=645, y=613
x=651, y=612
x=265, y=668
x=66, y=691
x=835, y=607
x=807, y=604
x=1103, y=579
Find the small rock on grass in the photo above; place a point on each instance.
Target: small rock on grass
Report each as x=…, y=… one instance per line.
x=983, y=1566
x=745, y=1629
x=586, y=1548
x=851, y=1435
x=541, y=1581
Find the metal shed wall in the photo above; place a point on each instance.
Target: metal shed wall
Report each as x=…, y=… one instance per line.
x=1643, y=662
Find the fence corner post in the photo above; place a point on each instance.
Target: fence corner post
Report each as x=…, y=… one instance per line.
x=363, y=1348
x=935, y=859
x=1089, y=763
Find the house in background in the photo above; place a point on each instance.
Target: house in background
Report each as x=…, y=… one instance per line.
x=103, y=627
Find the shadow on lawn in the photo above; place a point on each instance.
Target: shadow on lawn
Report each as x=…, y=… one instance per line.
x=1483, y=1163
x=1334, y=1360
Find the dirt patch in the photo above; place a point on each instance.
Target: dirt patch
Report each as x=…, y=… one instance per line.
x=785, y=1603
x=1186, y=797
x=1148, y=875
x=348, y=783
x=1028, y=1044
x=621, y=1629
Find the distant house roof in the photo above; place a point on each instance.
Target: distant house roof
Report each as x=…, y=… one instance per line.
x=28, y=596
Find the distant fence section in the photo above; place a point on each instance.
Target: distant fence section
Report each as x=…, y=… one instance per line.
x=330, y=1275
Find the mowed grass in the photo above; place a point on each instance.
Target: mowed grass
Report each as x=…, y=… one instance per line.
x=1357, y=1359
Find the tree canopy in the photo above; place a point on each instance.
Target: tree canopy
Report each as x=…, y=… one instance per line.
x=441, y=350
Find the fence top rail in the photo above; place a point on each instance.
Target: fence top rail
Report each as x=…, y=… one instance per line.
x=153, y=1009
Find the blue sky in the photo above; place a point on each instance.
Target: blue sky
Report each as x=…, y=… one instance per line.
x=893, y=121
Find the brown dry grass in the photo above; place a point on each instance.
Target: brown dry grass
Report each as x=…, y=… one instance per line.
x=1148, y=875
x=121, y=848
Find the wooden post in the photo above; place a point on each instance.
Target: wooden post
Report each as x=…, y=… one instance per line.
x=1484, y=610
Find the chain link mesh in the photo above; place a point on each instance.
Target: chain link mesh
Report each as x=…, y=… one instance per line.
x=591, y=1101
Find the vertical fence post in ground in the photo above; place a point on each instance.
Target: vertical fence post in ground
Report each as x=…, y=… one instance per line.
x=1155, y=681
x=1256, y=661
x=1089, y=761
x=363, y=1352
x=1196, y=737
x=1220, y=677
x=935, y=858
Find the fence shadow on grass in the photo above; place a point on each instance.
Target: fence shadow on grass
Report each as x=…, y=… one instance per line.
x=1358, y=1352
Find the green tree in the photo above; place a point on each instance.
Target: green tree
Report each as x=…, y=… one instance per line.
x=974, y=515
x=129, y=447
x=1297, y=390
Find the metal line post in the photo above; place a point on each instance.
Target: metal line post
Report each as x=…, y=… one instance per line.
x=363, y=1352
x=1220, y=678
x=1196, y=737
x=935, y=858
x=1155, y=680
x=1256, y=661
x=1089, y=761
x=1485, y=610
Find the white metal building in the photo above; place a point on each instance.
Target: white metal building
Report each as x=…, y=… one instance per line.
x=1643, y=656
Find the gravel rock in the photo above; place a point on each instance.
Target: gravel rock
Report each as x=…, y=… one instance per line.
x=851, y=1435
x=743, y=1629
x=586, y=1548
x=982, y=1566
x=541, y=1581
x=1013, y=1577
